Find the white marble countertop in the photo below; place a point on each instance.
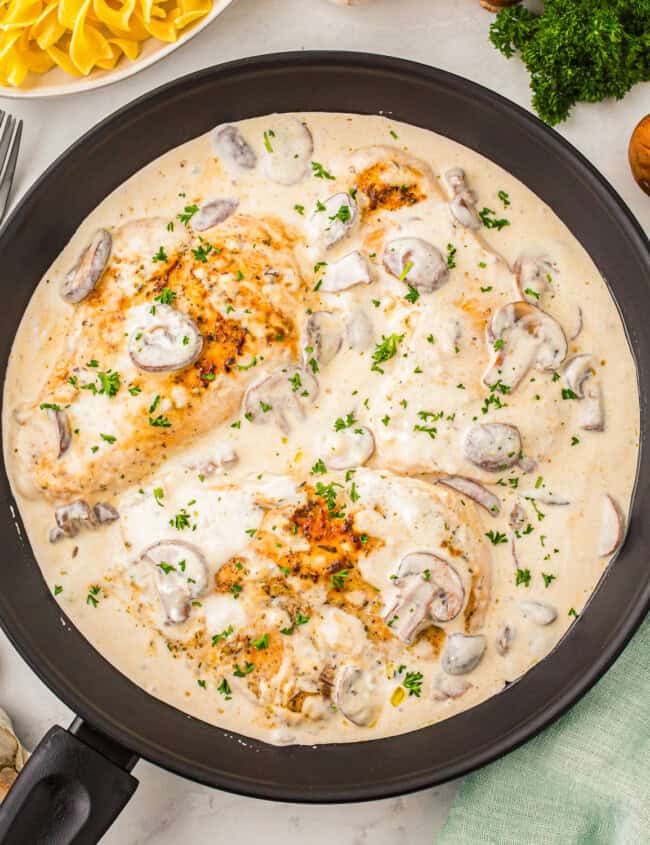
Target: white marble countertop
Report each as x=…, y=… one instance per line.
x=452, y=35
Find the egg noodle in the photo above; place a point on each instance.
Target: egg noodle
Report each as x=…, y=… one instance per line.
x=79, y=35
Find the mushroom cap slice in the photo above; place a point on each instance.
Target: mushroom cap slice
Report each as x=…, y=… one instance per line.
x=611, y=527
x=213, y=212
x=73, y=516
x=532, y=271
x=62, y=427
x=576, y=371
x=333, y=220
x=416, y=262
x=530, y=338
x=232, y=147
x=538, y=612
x=287, y=150
x=81, y=279
x=462, y=653
x=505, y=639
x=544, y=496
x=491, y=446
x=165, y=342
x=181, y=575
x=105, y=513
x=359, y=332
x=279, y=396
x=354, y=693
x=322, y=337
x=463, y=199
x=445, y=582
x=592, y=413
x=474, y=490
x=449, y=686
x=349, y=447
x=353, y=269
x=430, y=590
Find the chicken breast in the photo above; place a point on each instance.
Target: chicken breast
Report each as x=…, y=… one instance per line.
x=161, y=350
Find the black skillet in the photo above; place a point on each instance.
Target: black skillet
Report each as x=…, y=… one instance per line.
x=78, y=780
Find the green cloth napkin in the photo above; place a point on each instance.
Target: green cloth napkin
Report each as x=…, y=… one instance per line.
x=584, y=781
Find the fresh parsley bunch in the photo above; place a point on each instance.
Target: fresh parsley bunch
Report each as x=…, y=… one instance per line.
x=577, y=50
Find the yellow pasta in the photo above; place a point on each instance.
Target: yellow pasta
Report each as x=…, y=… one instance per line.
x=81, y=35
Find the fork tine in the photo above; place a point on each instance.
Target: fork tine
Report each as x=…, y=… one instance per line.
x=6, y=125
x=8, y=167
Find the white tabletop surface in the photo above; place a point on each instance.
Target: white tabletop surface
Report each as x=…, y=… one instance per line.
x=451, y=34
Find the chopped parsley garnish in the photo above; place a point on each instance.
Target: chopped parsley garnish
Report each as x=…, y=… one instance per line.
x=188, y=212
x=134, y=390
x=413, y=683
x=109, y=438
x=93, y=592
x=319, y=171
x=50, y=406
x=568, y=394
x=451, y=256
x=262, y=642
x=385, y=350
x=573, y=612
x=202, y=251
x=341, y=423
x=166, y=296
x=490, y=221
x=158, y=495
x=505, y=199
x=268, y=133
x=531, y=292
x=222, y=636
x=548, y=579
x=58, y=589
x=295, y=382
x=235, y=590
x=299, y=208
x=166, y=567
x=523, y=577
x=181, y=520
x=160, y=421
x=575, y=440
x=329, y=494
x=224, y=689
x=248, y=366
x=496, y=537
x=343, y=214
x=319, y=468
x=161, y=255
x=412, y=296
x=337, y=581
x=241, y=673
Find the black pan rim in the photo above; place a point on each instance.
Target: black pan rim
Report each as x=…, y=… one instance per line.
x=328, y=61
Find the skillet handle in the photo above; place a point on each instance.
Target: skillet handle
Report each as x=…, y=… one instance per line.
x=72, y=788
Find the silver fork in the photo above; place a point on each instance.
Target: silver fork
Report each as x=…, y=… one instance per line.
x=10, y=133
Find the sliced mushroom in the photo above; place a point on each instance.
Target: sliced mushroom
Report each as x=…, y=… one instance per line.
x=416, y=262
x=538, y=612
x=63, y=432
x=86, y=273
x=333, y=220
x=517, y=518
x=532, y=275
x=544, y=496
x=463, y=199
x=505, y=639
x=611, y=527
x=55, y=534
x=165, y=342
x=105, y=513
x=288, y=146
x=222, y=456
x=474, y=490
x=280, y=395
x=354, y=695
x=359, y=332
x=578, y=325
x=74, y=516
x=492, y=447
x=353, y=269
x=322, y=337
x=448, y=686
x=231, y=146
x=462, y=654
x=528, y=338
x=578, y=374
x=213, y=212
x=181, y=575
x=349, y=447
x=430, y=590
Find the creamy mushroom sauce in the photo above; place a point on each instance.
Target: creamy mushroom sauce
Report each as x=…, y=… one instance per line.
x=371, y=514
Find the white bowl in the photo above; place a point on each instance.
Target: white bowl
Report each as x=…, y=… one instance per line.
x=56, y=83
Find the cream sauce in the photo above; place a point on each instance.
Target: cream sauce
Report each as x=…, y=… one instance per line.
x=418, y=404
